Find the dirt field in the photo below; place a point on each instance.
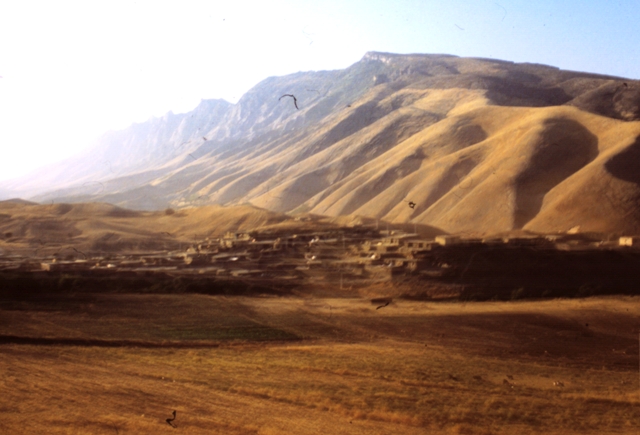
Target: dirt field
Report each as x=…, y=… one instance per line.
x=120, y=364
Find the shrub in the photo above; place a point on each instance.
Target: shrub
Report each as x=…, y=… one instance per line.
x=518, y=294
x=587, y=290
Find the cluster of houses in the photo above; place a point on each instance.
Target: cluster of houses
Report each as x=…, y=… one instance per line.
x=346, y=254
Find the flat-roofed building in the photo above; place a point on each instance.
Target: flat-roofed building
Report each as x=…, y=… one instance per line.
x=447, y=240
x=418, y=245
x=629, y=241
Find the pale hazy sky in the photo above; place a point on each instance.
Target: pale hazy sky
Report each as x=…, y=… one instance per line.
x=72, y=70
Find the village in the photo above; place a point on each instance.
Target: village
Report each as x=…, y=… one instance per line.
x=343, y=257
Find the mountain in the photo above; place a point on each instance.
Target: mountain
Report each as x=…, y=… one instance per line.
x=479, y=145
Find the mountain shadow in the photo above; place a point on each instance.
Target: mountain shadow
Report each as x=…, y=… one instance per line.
x=563, y=148
x=626, y=165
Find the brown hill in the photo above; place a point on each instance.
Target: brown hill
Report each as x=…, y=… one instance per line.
x=479, y=145
x=98, y=227
x=539, y=169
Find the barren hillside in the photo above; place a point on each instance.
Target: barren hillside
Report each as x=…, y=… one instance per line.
x=97, y=227
x=479, y=145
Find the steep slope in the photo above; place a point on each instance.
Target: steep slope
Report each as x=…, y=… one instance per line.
x=483, y=176
x=478, y=145
x=119, y=154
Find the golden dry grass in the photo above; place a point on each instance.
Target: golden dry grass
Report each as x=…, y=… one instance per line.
x=452, y=151
x=528, y=163
x=547, y=149
x=542, y=169
x=344, y=367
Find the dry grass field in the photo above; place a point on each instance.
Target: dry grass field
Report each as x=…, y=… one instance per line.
x=120, y=364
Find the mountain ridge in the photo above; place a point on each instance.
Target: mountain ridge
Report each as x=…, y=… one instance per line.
x=454, y=135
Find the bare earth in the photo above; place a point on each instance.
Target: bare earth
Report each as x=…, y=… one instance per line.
x=120, y=364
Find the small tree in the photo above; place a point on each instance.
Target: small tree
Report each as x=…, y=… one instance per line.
x=169, y=211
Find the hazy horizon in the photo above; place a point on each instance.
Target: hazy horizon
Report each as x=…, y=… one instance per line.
x=75, y=71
